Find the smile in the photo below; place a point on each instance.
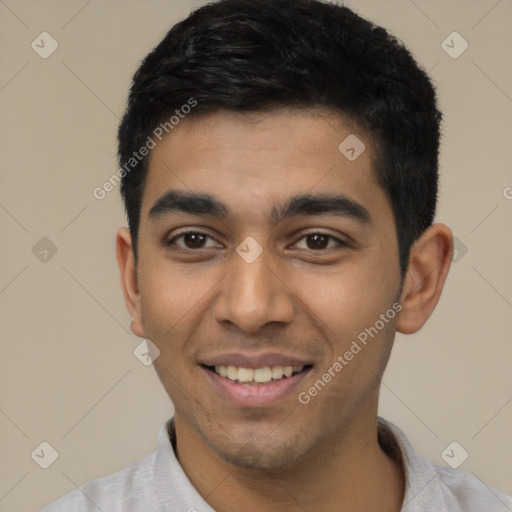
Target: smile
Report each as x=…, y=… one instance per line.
x=256, y=376
x=263, y=386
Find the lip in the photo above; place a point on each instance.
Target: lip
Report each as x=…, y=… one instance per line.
x=262, y=395
x=255, y=360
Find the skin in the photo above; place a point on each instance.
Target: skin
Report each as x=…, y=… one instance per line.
x=297, y=297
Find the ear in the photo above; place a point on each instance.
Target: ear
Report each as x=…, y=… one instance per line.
x=129, y=279
x=429, y=262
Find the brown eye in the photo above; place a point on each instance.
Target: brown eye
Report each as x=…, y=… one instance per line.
x=192, y=240
x=319, y=242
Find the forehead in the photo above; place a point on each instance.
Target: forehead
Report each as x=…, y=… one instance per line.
x=254, y=162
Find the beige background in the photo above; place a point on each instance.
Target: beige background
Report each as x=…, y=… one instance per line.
x=67, y=369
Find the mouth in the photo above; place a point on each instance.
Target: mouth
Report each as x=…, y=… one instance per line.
x=257, y=376
x=263, y=386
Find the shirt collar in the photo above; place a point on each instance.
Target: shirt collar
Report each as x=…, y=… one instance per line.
x=171, y=484
x=419, y=473
x=176, y=492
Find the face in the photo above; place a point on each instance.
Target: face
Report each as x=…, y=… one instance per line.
x=264, y=251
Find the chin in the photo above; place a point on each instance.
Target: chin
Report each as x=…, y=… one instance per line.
x=260, y=454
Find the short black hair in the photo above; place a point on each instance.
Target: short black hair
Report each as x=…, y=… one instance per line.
x=262, y=55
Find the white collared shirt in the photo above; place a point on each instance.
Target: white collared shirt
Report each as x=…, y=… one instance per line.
x=157, y=483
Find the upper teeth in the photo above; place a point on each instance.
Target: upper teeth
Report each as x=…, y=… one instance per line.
x=265, y=374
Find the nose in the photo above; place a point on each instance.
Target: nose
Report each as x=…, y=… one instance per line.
x=253, y=295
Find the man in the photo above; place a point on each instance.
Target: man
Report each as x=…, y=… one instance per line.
x=279, y=167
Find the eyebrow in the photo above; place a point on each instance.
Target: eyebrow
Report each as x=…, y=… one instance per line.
x=176, y=201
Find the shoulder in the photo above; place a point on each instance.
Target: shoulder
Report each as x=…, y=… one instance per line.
x=128, y=489
x=463, y=491
x=430, y=486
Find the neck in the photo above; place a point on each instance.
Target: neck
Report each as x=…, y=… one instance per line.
x=350, y=471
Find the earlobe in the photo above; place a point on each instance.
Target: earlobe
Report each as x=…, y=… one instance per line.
x=129, y=279
x=429, y=262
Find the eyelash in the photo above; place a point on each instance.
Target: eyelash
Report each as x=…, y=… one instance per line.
x=169, y=243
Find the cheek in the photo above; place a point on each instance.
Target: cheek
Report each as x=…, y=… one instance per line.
x=170, y=291
x=349, y=299
x=167, y=301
